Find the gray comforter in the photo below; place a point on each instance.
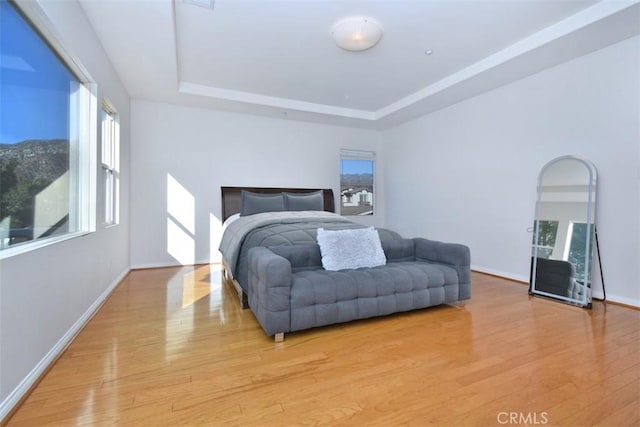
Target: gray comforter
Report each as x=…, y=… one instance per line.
x=275, y=229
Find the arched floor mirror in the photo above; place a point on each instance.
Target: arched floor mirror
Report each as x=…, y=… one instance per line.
x=564, y=231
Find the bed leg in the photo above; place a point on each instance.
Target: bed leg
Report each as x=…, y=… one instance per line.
x=279, y=337
x=242, y=295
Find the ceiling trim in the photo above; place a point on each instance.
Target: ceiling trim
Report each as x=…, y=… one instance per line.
x=273, y=101
x=567, y=26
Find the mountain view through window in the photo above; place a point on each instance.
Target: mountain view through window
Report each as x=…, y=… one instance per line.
x=39, y=94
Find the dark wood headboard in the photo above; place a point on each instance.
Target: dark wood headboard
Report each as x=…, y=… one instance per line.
x=231, y=197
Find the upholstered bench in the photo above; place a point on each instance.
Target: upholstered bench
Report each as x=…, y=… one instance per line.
x=289, y=290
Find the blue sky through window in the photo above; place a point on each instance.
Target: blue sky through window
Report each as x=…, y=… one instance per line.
x=351, y=166
x=34, y=83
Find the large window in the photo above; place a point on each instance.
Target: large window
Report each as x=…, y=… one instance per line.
x=356, y=182
x=110, y=163
x=45, y=138
x=576, y=247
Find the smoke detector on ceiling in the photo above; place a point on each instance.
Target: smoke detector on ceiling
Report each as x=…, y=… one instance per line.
x=356, y=33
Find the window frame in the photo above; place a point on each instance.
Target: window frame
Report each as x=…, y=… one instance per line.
x=82, y=137
x=110, y=164
x=360, y=155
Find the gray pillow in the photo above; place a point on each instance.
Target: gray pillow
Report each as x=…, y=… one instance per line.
x=253, y=203
x=304, y=201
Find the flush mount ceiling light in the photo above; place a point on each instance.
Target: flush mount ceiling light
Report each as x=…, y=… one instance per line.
x=356, y=33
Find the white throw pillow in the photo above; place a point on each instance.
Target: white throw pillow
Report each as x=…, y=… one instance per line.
x=349, y=249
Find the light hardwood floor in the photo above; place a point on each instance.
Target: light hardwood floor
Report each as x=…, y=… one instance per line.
x=172, y=347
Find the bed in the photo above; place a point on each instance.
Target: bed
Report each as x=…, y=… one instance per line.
x=247, y=223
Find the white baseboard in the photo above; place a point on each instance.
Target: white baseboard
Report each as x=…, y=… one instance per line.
x=516, y=277
x=170, y=264
x=25, y=385
x=622, y=300
x=525, y=279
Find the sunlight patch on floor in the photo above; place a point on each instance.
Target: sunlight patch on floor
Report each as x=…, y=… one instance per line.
x=197, y=284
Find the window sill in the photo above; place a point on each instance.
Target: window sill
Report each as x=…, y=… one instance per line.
x=37, y=244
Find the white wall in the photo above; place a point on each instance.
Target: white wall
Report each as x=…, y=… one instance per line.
x=46, y=294
x=468, y=173
x=182, y=156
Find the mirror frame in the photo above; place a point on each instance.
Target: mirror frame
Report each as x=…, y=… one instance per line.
x=585, y=299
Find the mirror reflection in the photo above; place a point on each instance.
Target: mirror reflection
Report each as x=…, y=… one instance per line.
x=563, y=233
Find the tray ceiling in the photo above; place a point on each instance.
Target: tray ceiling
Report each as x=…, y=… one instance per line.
x=277, y=57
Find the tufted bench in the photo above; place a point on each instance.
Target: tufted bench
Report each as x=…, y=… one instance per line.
x=290, y=291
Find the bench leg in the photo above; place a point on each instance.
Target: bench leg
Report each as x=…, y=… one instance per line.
x=457, y=304
x=279, y=337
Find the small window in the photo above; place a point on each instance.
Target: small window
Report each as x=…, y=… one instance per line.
x=110, y=164
x=47, y=114
x=356, y=182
